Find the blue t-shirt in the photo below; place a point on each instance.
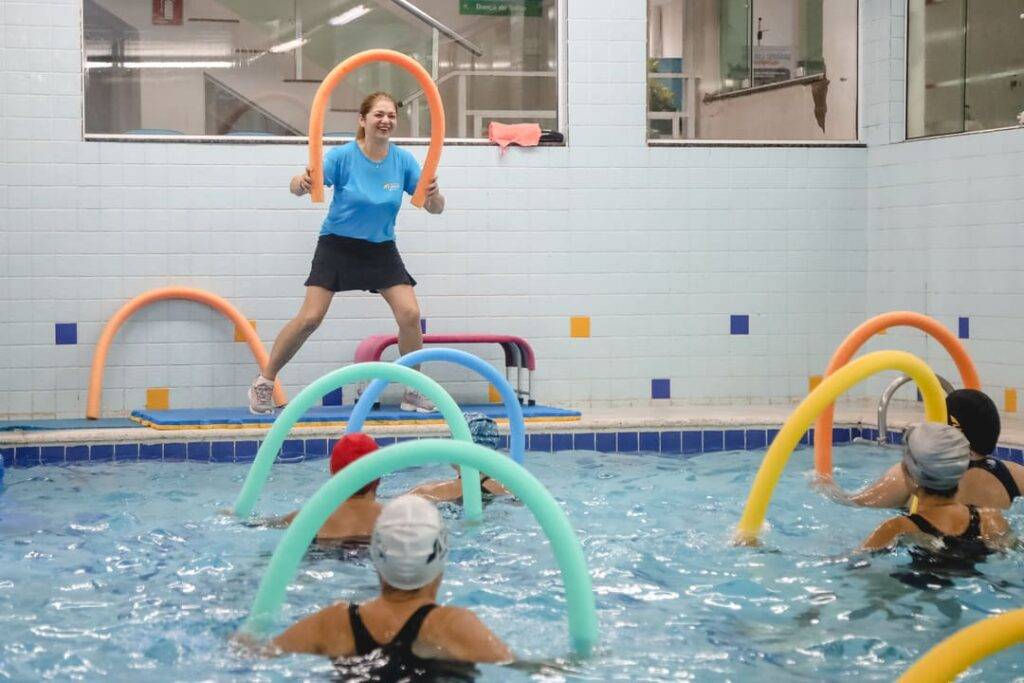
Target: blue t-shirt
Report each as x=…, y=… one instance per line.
x=367, y=194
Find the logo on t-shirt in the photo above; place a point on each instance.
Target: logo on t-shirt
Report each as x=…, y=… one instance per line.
x=391, y=187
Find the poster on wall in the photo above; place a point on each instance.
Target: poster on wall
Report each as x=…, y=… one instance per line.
x=167, y=12
x=502, y=8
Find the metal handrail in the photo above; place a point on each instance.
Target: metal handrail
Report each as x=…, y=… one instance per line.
x=883, y=404
x=451, y=33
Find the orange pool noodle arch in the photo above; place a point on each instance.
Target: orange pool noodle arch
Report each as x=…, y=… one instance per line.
x=99, y=356
x=852, y=344
x=322, y=99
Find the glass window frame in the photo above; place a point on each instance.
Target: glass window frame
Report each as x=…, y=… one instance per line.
x=858, y=142
x=561, y=88
x=906, y=91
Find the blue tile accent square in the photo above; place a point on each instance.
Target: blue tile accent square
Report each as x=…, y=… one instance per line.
x=735, y=440
x=628, y=442
x=175, y=452
x=1017, y=456
x=51, y=455
x=101, y=453
x=840, y=435
x=869, y=434
x=126, y=451
x=293, y=447
x=65, y=333
x=199, y=451
x=672, y=443
x=964, y=325
x=502, y=442
x=318, y=447
x=403, y=439
x=222, y=451
x=151, y=451
x=739, y=324
x=770, y=435
x=333, y=398
x=693, y=442
x=8, y=456
x=605, y=442
x=661, y=388
x=713, y=440
x=26, y=456
x=808, y=438
x=540, y=442
x=1002, y=452
x=561, y=442
x=855, y=433
x=382, y=441
x=76, y=454
x=896, y=438
x=423, y=325
x=245, y=451
x=756, y=438
x=650, y=442
x=583, y=441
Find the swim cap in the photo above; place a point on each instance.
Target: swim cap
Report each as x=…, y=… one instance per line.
x=935, y=455
x=350, y=448
x=976, y=416
x=409, y=545
x=483, y=429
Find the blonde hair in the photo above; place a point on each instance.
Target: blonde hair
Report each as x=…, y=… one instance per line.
x=367, y=105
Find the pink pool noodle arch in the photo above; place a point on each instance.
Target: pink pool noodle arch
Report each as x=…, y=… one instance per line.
x=99, y=357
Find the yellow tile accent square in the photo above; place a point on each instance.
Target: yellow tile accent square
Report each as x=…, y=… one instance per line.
x=812, y=382
x=158, y=398
x=1011, y=400
x=579, y=326
x=240, y=333
x=492, y=394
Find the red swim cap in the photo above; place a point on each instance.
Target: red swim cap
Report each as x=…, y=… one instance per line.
x=350, y=448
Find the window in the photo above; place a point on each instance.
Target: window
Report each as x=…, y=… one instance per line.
x=965, y=66
x=237, y=67
x=752, y=70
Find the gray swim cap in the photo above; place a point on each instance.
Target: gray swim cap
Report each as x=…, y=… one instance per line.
x=936, y=455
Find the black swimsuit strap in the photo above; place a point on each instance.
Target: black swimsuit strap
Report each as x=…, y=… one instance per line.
x=972, y=531
x=411, y=630
x=998, y=469
x=924, y=525
x=365, y=644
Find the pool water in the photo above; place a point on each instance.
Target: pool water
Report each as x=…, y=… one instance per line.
x=127, y=570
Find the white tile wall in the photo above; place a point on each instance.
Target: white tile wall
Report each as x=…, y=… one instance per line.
x=658, y=245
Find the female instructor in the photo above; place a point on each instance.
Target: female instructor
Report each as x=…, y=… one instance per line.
x=356, y=249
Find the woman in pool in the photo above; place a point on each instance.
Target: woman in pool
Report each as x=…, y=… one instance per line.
x=989, y=482
x=356, y=249
x=402, y=633
x=935, y=459
x=485, y=433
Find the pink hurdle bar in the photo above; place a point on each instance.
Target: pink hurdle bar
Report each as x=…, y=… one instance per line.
x=518, y=353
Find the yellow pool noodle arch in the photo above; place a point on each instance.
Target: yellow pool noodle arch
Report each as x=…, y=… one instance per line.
x=818, y=400
x=322, y=99
x=966, y=647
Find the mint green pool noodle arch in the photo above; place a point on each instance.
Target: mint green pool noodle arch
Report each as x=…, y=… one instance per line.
x=362, y=372
x=568, y=552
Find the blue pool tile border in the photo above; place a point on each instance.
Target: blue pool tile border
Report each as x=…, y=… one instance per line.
x=672, y=443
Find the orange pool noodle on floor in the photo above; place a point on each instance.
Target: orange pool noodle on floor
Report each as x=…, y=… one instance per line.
x=322, y=100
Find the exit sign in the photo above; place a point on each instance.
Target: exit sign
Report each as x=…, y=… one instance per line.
x=502, y=8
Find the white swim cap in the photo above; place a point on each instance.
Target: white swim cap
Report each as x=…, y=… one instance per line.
x=409, y=545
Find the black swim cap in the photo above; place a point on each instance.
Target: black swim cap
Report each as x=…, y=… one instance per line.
x=977, y=417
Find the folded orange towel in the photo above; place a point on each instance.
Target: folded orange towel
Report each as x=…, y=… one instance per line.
x=505, y=134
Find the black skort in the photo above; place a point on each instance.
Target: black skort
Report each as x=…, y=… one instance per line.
x=342, y=264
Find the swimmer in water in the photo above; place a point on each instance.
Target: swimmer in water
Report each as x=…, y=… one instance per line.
x=402, y=633
x=989, y=482
x=935, y=460
x=484, y=431
x=353, y=521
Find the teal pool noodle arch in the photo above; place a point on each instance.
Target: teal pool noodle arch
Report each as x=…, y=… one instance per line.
x=568, y=552
x=363, y=372
x=516, y=423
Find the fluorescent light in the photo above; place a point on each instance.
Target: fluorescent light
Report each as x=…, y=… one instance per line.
x=288, y=46
x=161, y=65
x=349, y=15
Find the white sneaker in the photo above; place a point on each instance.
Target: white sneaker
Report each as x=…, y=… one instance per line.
x=261, y=396
x=415, y=401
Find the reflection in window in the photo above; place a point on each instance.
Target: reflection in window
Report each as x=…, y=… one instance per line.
x=965, y=66
x=752, y=69
x=237, y=67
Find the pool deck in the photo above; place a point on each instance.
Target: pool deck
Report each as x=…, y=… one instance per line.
x=639, y=418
